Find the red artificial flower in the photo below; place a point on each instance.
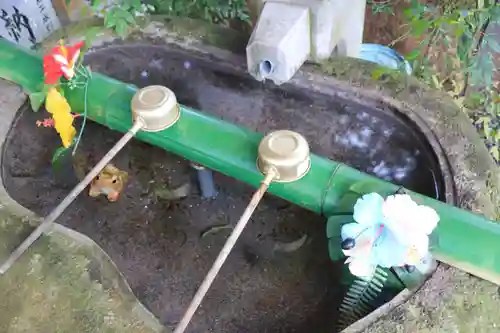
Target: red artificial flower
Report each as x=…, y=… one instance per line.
x=61, y=62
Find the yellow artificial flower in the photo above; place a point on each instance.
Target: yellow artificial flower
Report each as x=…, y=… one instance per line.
x=57, y=105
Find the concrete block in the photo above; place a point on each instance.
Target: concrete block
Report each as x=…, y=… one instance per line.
x=280, y=42
x=333, y=27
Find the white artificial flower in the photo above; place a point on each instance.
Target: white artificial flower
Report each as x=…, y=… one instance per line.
x=409, y=221
x=389, y=233
x=359, y=267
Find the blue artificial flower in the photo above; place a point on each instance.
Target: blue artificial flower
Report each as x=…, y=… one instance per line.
x=387, y=233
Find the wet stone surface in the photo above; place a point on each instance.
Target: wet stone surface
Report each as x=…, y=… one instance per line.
x=158, y=245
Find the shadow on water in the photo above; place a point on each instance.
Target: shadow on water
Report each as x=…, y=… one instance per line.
x=157, y=244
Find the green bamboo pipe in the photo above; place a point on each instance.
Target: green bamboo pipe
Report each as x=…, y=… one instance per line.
x=466, y=240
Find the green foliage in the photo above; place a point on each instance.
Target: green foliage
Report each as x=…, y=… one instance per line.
x=380, y=6
x=217, y=11
x=120, y=16
x=487, y=119
x=59, y=153
x=447, y=57
x=37, y=99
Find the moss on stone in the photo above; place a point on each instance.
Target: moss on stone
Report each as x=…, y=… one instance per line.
x=461, y=303
x=188, y=30
x=51, y=288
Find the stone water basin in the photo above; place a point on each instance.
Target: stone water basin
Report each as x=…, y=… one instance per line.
x=160, y=246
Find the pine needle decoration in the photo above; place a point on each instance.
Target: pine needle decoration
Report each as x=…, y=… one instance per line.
x=361, y=298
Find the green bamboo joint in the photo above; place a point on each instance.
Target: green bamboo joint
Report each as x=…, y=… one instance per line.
x=465, y=240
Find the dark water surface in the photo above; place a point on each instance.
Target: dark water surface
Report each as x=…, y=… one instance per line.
x=375, y=140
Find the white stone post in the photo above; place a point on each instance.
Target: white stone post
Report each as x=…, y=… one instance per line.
x=289, y=32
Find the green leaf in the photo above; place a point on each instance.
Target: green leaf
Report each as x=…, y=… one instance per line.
x=37, y=99
x=420, y=27
x=121, y=28
x=110, y=19
x=58, y=153
x=67, y=2
x=128, y=17
x=412, y=55
x=90, y=36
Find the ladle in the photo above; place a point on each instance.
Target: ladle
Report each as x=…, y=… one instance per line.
x=283, y=157
x=154, y=109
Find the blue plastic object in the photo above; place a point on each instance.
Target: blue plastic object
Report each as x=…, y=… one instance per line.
x=384, y=56
x=205, y=182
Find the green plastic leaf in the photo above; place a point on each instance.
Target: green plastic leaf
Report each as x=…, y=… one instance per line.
x=347, y=201
x=37, y=99
x=334, y=251
x=362, y=296
x=58, y=154
x=334, y=224
x=368, y=186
